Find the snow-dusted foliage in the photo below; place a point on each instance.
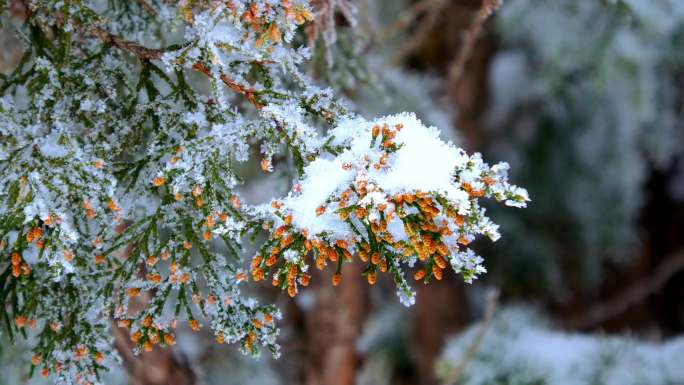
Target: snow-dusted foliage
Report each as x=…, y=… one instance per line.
x=586, y=89
x=120, y=131
x=520, y=348
x=394, y=193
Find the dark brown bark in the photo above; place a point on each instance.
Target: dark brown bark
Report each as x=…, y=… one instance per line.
x=441, y=310
x=333, y=325
x=469, y=93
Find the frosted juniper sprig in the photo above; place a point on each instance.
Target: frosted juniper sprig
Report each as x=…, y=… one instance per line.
x=120, y=132
x=394, y=196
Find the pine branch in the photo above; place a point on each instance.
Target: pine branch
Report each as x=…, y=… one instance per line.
x=145, y=53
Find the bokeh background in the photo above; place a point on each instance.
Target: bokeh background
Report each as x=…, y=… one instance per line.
x=585, y=100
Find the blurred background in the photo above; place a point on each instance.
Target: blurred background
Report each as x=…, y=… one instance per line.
x=585, y=100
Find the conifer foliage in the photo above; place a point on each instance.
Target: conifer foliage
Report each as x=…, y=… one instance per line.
x=120, y=131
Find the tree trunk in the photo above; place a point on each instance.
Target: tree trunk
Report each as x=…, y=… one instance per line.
x=333, y=325
x=441, y=310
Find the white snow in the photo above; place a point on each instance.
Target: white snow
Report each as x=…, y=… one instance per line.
x=521, y=347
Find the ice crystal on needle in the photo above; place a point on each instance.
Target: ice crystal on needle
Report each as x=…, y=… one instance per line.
x=118, y=178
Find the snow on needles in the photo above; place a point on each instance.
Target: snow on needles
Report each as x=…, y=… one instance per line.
x=423, y=162
x=392, y=192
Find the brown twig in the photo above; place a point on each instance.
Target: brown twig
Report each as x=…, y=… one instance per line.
x=132, y=47
x=147, y=7
x=457, y=67
x=249, y=93
x=145, y=53
x=633, y=295
x=455, y=374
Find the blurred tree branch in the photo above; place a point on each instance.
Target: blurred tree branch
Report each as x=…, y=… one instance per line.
x=433, y=12
x=633, y=295
x=409, y=16
x=456, y=68
x=491, y=302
